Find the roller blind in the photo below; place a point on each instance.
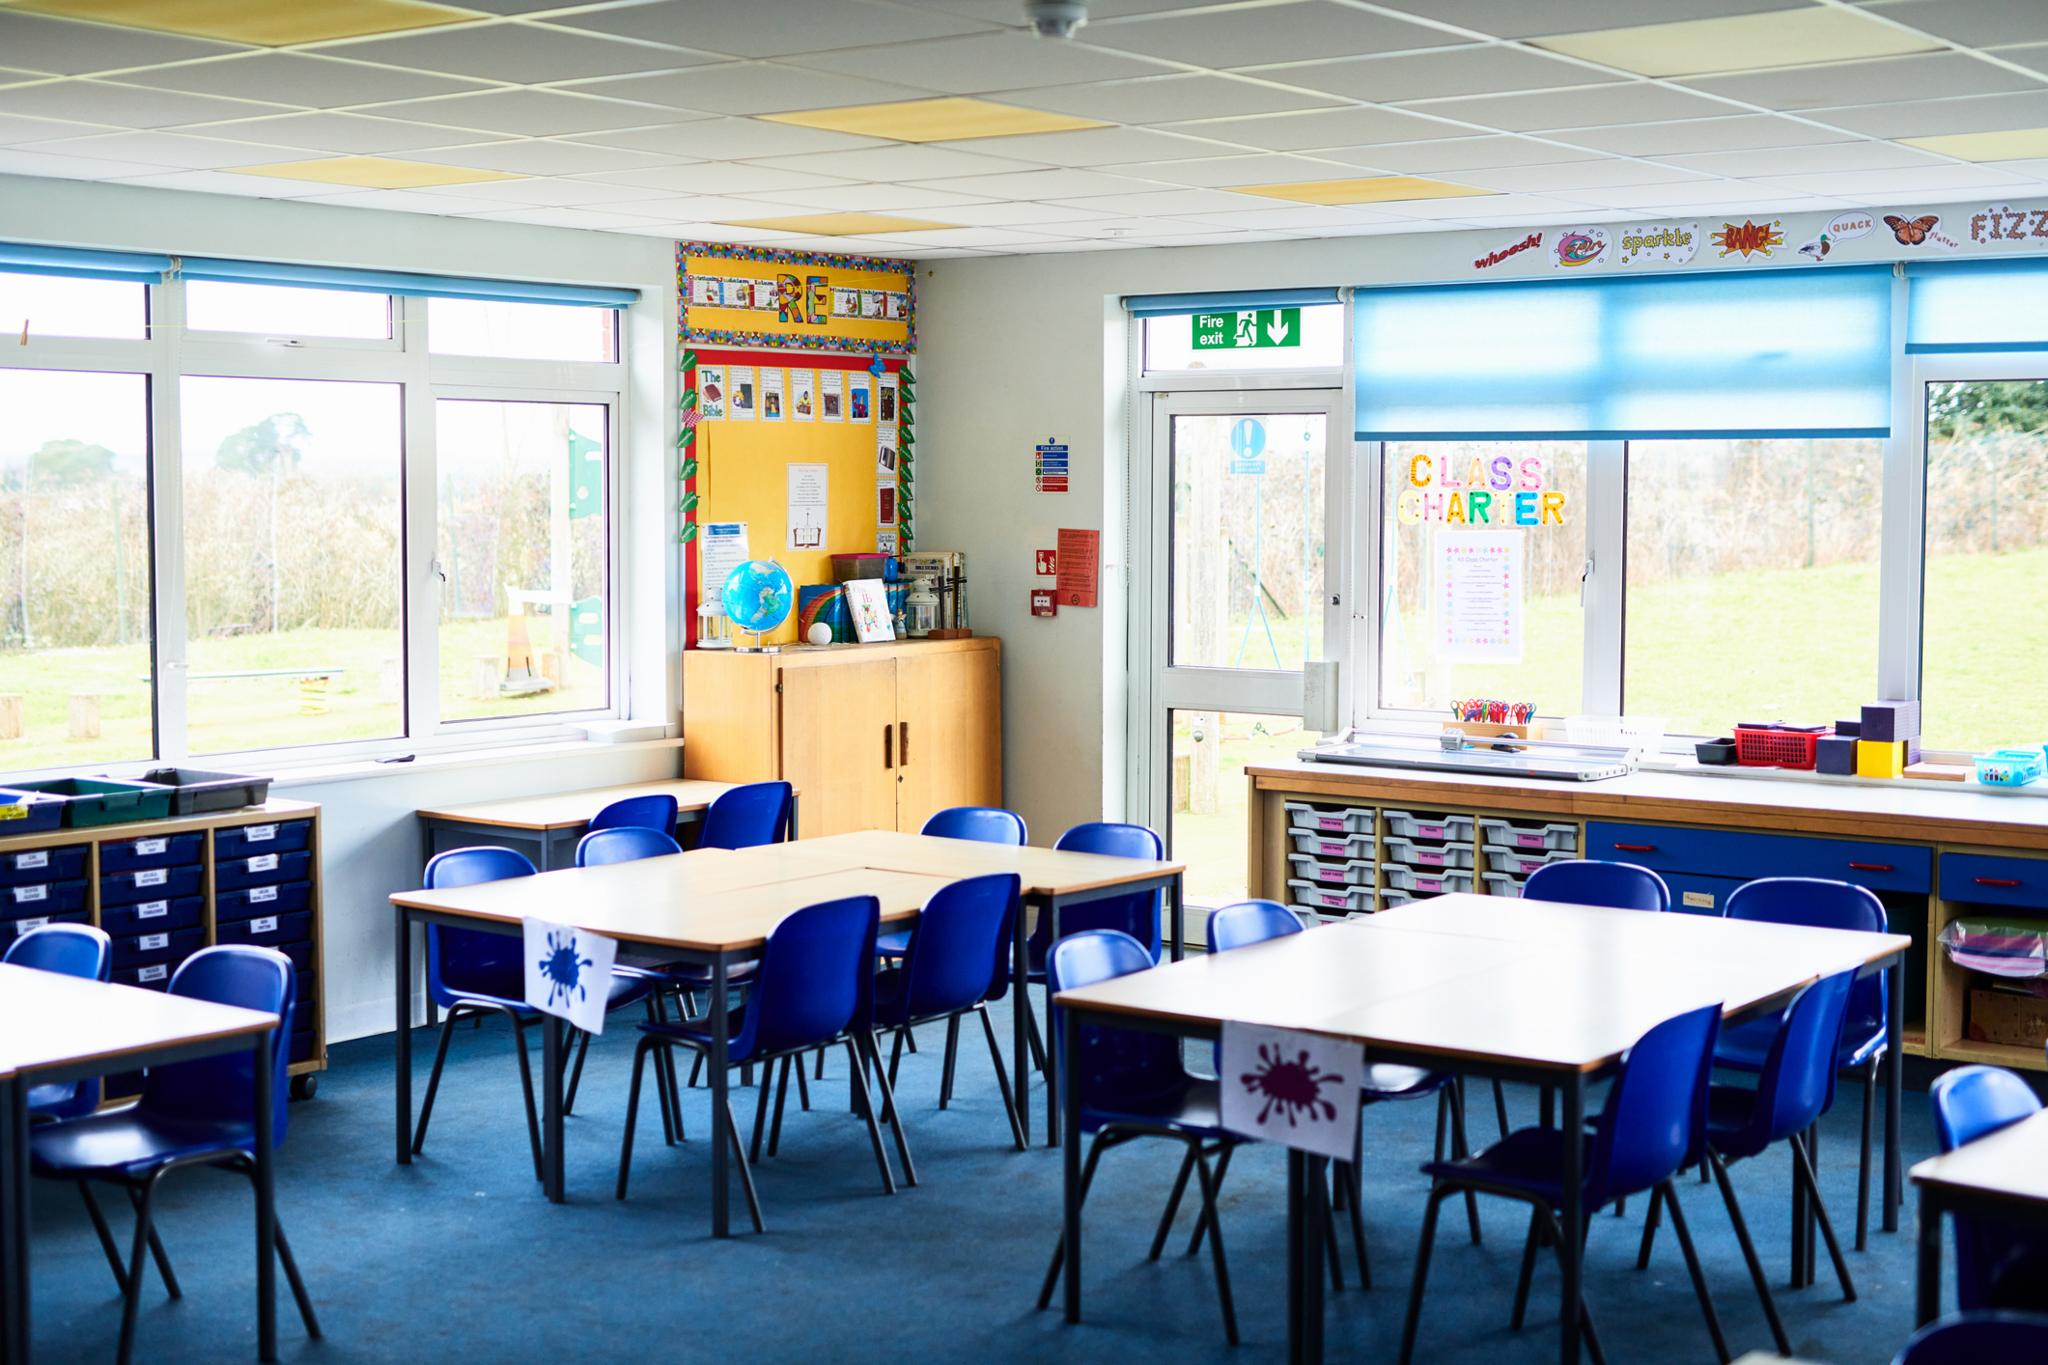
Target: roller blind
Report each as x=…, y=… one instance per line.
x=1956, y=306
x=140, y=267
x=397, y=282
x=1728, y=354
x=1237, y=301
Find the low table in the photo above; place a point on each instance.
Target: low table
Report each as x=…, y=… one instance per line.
x=2002, y=1175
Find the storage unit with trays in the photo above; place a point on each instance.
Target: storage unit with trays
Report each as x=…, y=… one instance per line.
x=1992, y=969
x=1331, y=859
x=1510, y=848
x=1426, y=853
x=164, y=888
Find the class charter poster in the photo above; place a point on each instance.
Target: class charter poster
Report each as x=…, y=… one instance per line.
x=1478, y=596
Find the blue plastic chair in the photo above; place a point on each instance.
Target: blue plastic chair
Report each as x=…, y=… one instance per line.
x=196, y=1113
x=655, y=811
x=1969, y=1103
x=1133, y=1085
x=815, y=987
x=1652, y=1124
x=70, y=950
x=472, y=973
x=1136, y=915
x=1585, y=881
x=979, y=824
x=964, y=926
x=749, y=816
x=1821, y=904
x=1978, y=1338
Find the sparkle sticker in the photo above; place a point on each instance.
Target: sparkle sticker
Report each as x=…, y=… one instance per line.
x=568, y=973
x=1296, y=1089
x=1750, y=238
x=1659, y=244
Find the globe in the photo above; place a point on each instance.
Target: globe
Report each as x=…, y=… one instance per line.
x=758, y=595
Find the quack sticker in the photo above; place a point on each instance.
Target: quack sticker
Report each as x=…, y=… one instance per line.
x=1578, y=247
x=1843, y=227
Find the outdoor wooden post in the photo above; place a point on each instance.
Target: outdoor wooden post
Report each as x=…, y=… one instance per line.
x=10, y=715
x=85, y=715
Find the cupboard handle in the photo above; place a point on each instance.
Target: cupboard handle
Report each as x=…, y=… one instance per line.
x=903, y=743
x=1635, y=848
x=1997, y=881
x=1872, y=867
x=888, y=746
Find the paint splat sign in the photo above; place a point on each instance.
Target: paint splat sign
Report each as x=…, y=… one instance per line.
x=1750, y=238
x=1297, y=1089
x=568, y=973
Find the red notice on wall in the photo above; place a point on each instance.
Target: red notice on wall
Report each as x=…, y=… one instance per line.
x=1080, y=567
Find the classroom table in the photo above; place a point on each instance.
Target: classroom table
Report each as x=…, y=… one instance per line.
x=2002, y=1175
x=708, y=906
x=546, y=828
x=57, y=1028
x=1483, y=986
x=1052, y=880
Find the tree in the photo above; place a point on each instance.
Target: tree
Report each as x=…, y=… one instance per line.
x=267, y=448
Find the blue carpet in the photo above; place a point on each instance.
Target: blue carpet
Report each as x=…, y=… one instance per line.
x=458, y=1258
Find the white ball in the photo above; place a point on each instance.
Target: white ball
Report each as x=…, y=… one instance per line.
x=821, y=634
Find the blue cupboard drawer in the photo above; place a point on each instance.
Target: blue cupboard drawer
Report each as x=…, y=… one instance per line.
x=1987, y=880
x=172, y=946
x=12, y=929
x=267, y=931
x=149, y=884
x=246, y=841
x=262, y=869
x=153, y=916
x=163, y=850
x=42, y=898
x=262, y=900
x=43, y=865
x=1697, y=895
x=1720, y=852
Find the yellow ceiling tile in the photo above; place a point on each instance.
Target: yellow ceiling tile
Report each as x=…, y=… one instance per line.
x=2013, y=144
x=374, y=172
x=840, y=224
x=1378, y=189
x=266, y=23
x=935, y=120
x=1742, y=42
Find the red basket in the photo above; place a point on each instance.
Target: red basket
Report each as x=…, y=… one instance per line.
x=1774, y=747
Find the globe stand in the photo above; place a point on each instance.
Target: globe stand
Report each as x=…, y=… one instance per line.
x=757, y=647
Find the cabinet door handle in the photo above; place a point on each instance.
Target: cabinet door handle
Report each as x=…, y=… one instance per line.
x=1997, y=881
x=903, y=743
x=1635, y=848
x=888, y=746
x=1872, y=867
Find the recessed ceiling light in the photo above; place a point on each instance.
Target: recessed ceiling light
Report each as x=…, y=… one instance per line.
x=839, y=224
x=272, y=24
x=1378, y=189
x=1742, y=42
x=373, y=172
x=935, y=120
x=2013, y=144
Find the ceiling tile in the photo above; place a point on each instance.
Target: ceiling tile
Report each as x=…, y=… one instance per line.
x=522, y=53
x=1301, y=31
x=966, y=236
x=1724, y=192
x=1315, y=128
x=536, y=157
x=1043, y=185
x=1299, y=216
x=1577, y=175
x=1012, y=214
x=163, y=150
x=1457, y=154
x=1973, y=23
x=1797, y=37
x=1758, y=203
x=587, y=220
x=1142, y=228
x=317, y=82
x=706, y=208
x=1440, y=75
x=1516, y=208
x=980, y=62
x=534, y=113
x=1698, y=135
x=749, y=88
x=2034, y=57
x=14, y=130
x=402, y=201
x=1925, y=118
x=1935, y=75
x=1254, y=169
x=2012, y=144
x=1915, y=180
x=510, y=7
x=268, y=25
x=728, y=139
x=898, y=163
x=794, y=26
x=1833, y=156
x=845, y=224
x=62, y=48
x=1165, y=99
x=1631, y=102
x=126, y=106
x=337, y=133
x=1381, y=189
x=371, y=172
x=541, y=192
x=1096, y=146
x=18, y=161
x=227, y=182
x=877, y=199
x=1521, y=19
x=691, y=230
x=1164, y=203
x=718, y=177
x=946, y=118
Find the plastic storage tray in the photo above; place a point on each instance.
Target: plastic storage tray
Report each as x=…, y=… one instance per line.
x=1330, y=900
x=2008, y=767
x=173, y=945
x=1426, y=883
x=261, y=870
x=268, y=931
x=195, y=791
x=102, y=800
x=1529, y=834
x=11, y=929
x=43, y=865
x=1424, y=825
x=262, y=900
x=165, y=850
x=1354, y=873
x=247, y=841
x=149, y=884
x=43, y=898
x=28, y=812
x=1502, y=883
x=1517, y=862
x=2010, y=946
x=1329, y=819
x=1409, y=853
x=1391, y=896
x=152, y=917
x=1341, y=847
x=1777, y=746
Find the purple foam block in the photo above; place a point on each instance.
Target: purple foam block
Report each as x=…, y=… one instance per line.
x=1835, y=754
x=1849, y=729
x=1888, y=721
x=1912, y=752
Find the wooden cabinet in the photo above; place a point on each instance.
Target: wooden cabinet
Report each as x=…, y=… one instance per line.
x=872, y=736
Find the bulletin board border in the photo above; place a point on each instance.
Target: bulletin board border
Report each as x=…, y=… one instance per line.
x=777, y=341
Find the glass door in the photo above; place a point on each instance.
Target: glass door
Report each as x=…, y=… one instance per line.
x=1244, y=579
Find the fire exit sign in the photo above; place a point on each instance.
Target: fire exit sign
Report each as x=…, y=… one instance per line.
x=1256, y=330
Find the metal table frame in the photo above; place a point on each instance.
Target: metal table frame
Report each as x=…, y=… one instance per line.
x=546, y=849
x=1936, y=1199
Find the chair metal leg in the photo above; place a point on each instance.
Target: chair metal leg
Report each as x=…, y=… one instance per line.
x=1330, y=1233
x=1347, y=1172
x=1031, y=1029
x=1413, y=1319
x=575, y=1074
x=1863, y=1164
x=767, y=1089
x=995, y=1057
x=132, y=1299
x=1827, y=1224
x=1500, y=1108
x=526, y=1092
x=1669, y=1191
x=863, y=1102
x=781, y=1095
x=1527, y=1274
x=1202, y=1221
x=913, y=1050
x=739, y=1159
x=1650, y=1228
x=419, y=1132
x=896, y=1055
x=106, y=1236
x=1180, y=1185
x=821, y=1066
x=1461, y=1149
x=156, y=1250
x=1756, y=1269
x=893, y=1112
x=803, y=1087
x=1209, y=1213
x=291, y=1275
x=1585, y=1314
x=1059, y=1248
x=640, y=1052
x=952, y=1054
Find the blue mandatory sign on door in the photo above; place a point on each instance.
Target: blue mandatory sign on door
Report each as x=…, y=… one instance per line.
x=1247, y=444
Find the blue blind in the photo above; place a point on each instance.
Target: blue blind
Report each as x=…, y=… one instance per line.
x=135, y=266
x=1239, y=301
x=395, y=282
x=1755, y=353
x=1956, y=306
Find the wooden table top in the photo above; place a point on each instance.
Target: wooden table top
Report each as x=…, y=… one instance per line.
x=47, y=1019
x=1508, y=981
x=707, y=900
x=566, y=810
x=2011, y=1163
x=1043, y=871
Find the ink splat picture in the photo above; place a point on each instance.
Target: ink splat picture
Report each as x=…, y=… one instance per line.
x=1297, y=1089
x=568, y=973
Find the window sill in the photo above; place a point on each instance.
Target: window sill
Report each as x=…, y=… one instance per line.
x=446, y=760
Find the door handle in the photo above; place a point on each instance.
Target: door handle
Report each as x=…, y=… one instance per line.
x=888, y=746
x=1997, y=881
x=1872, y=867
x=903, y=743
x=1635, y=848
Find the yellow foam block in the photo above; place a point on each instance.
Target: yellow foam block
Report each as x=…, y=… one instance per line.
x=1880, y=758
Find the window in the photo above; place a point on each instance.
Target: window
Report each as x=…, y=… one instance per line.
x=284, y=311
x=292, y=514
x=1431, y=490
x=1260, y=339
x=521, y=331
x=75, y=603
x=53, y=305
x=521, y=543
x=1984, y=647
x=1752, y=589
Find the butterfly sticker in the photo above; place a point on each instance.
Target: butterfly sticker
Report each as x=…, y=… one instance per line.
x=1910, y=232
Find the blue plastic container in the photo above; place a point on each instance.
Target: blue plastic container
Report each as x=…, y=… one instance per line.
x=2010, y=767
x=27, y=812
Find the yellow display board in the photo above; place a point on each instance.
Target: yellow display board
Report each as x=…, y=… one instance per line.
x=752, y=297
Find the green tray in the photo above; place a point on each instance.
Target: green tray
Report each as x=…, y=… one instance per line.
x=90, y=801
